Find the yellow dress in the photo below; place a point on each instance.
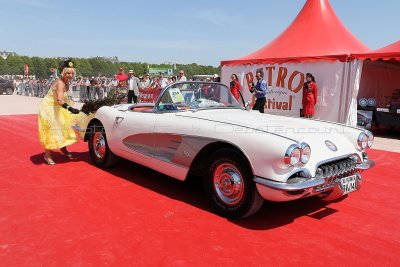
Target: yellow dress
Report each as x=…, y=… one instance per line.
x=55, y=122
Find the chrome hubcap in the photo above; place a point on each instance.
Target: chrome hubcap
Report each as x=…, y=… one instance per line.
x=228, y=184
x=99, y=145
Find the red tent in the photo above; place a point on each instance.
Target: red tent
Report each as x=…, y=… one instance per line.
x=316, y=34
x=389, y=52
x=380, y=74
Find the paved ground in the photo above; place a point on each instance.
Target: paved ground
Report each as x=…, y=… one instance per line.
x=15, y=104
x=387, y=143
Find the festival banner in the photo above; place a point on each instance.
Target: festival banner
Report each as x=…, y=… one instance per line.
x=285, y=86
x=148, y=95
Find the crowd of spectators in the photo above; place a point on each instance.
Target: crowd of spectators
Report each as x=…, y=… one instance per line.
x=92, y=88
x=32, y=87
x=98, y=87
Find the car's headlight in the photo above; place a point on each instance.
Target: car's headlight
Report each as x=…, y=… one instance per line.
x=305, y=153
x=296, y=154
x=292, y=155
x=362, y=140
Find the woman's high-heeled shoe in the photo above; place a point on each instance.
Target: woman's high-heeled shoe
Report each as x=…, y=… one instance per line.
x=66, y=153
x=49, y=161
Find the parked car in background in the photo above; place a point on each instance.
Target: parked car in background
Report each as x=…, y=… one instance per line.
x=362, y=120
x=6, y=86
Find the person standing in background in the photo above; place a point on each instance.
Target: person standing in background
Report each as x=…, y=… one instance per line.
x=310, y=94
x=235, y=86
x=163, y=81
x=79, y=87
x=122, y=87
x=133, y=87
x=34, y=87
x=181, y=76
x=87, y=86
x=122, y=79
x=260, y=91
x=105, y=84
x=93, y=83
x=146, y=82
x=155, y=83
x=113, y=86
x=17, y=85
x=98, y=90
x=27, y=87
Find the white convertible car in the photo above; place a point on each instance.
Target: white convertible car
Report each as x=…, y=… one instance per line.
x=242, y=156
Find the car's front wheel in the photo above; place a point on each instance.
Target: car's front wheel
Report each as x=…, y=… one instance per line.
x=99, y=151
x=229, y=185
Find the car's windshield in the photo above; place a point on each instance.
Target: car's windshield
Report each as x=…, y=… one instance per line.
x=197, y=95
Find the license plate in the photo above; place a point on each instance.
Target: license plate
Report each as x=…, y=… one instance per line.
x=348, y=184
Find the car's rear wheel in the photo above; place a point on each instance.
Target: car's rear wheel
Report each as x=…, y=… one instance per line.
x=99, y=151
x=9, y=91
x=229, y=185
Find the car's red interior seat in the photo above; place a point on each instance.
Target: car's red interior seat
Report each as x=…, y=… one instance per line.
x=142, y=109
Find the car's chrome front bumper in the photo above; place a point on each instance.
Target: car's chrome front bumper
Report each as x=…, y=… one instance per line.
x=305, y=186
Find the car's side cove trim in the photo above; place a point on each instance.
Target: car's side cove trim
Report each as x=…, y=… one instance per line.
x=172, y=148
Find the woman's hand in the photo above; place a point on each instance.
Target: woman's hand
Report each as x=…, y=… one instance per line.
x=73, y=110
x=70, y=109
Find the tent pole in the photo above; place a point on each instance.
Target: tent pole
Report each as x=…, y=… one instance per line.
x=345, y=100
x=340, y=117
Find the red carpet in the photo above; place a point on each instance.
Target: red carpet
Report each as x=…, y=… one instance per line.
x=74, y=214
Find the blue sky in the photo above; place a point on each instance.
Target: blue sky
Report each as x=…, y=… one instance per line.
x=203, y=32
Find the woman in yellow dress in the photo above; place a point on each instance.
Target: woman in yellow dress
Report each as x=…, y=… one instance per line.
x=56, y=115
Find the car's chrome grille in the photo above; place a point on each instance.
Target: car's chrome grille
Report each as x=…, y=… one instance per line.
x=333, y=171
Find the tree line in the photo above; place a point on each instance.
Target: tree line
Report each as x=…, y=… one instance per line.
x=40, y=67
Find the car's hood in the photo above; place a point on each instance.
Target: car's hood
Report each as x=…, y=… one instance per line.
x=310, y=131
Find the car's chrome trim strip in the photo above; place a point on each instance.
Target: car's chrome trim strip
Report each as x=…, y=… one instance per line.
x=161, y=158
x=305, y=184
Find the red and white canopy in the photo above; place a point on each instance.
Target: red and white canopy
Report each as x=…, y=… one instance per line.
x=389, y=52
x=316, y=34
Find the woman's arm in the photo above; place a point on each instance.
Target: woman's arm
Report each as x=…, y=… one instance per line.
x=315, y=93
x=304, y=99
x=59, y=87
